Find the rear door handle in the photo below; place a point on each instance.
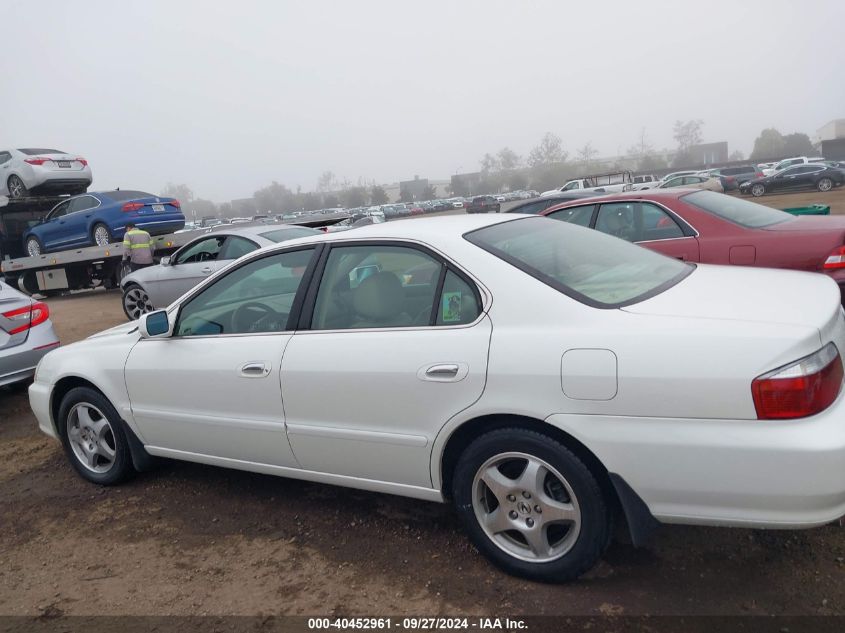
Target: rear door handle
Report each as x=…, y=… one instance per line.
x=442, y=371
x=255, y=369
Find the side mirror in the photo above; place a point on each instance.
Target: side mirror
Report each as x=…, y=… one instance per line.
x=165, y=261
x=154, y=324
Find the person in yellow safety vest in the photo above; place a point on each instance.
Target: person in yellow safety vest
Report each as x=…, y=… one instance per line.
x=137, y=248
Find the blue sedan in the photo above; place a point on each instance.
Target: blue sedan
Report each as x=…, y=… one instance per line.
x=100, y=219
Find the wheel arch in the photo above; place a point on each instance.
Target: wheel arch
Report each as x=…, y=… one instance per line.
x=624, y=501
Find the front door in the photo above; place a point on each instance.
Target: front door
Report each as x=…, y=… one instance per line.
x=213, y=387
x=396, y=346
x=188, y=267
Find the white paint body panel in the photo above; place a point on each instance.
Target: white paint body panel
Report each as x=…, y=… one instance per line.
x=681, y=427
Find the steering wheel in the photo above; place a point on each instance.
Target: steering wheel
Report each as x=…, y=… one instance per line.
x=266, y=316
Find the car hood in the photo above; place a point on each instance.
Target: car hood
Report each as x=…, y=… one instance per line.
x=118, y=330
x=738, y=293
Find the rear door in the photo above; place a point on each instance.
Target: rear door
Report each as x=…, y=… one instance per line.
x=393, y=343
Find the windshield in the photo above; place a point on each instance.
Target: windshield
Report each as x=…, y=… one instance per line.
x=281, y=235
x=594, y=268
x=743, y=212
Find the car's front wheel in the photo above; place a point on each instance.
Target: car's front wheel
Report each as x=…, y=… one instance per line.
x=136, y=301
x=531, y=506
x=93, y=437
x=757, y=190
x=33, y=246
x=16, y=187
x=825, y=184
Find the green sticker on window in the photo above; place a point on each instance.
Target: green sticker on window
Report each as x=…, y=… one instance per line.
x=451, y=307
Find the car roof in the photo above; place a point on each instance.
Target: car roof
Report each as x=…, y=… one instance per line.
x=253, y=230
x=647, y=194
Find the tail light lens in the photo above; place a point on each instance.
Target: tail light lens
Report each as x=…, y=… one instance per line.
x=836, y=259
x=83, y=161
x=131, y=206
x=28, y=317
x=36, y=160
x=806, y=387
x=759, y=174
x=175, y=203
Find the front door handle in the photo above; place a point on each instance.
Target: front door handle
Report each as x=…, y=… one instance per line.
x=206, y=270
x=255, y=369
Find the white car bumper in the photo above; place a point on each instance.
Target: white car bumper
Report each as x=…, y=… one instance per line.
x=39, y=401
x=753, y=473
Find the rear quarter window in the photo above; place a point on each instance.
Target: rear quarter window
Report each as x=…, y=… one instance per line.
x=742, y=212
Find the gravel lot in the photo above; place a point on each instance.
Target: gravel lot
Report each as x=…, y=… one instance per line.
x=191, y=539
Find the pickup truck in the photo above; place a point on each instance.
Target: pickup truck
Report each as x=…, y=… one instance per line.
x=601, y=183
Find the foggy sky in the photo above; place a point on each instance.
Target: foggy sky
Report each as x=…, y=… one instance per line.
x=227, y=97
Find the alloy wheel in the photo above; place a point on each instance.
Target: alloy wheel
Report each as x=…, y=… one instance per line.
x=758, y=190
x=825, y=184
x=16, y=187
x=33, y=247
x=91, y=437
x=101, y=235
x=136, y=302
x=526, y=507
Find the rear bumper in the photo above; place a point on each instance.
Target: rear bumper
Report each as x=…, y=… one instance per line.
x=160, y=224
x=19, y=362
x=751, y=473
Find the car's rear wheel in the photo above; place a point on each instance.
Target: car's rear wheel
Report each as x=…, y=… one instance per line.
x=531, y=506
x=757, y=190
x=136, y=301
x=101, y=235
x=92, y=435
x=33, y=246
x=825, y=184
x=16, y=187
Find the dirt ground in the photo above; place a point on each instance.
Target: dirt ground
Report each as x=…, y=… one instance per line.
x=191, y=539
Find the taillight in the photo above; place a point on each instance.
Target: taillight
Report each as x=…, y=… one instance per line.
x=759, y=174
x=175, y=203
x=131, y=206
x=83, y=161
x=836, y=259
x=806, y=387
x=30, y=316
x=37, y=160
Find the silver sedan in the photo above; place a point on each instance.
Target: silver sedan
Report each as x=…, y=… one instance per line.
x=26, y=334
x=158, y=286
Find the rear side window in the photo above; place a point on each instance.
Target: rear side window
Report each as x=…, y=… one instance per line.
x=589, y=266
x=743, y=212
x=458, y=302
x=534, y=207
x=281, y=235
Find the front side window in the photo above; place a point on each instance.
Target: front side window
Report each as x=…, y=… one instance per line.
x=586, y=265
x=59, y=211
x=575, y=215
x=254, y=298
x=205, y=250
x=743, y=212
x=376, y=286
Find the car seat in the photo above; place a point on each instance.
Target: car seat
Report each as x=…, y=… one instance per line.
x=379, y=301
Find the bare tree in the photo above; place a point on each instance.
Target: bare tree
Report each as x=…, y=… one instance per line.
x=586, y=154
x=547, y=152
x=327, y=182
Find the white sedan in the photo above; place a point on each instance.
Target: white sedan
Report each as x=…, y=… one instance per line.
x=539, y=375
x=36, y=171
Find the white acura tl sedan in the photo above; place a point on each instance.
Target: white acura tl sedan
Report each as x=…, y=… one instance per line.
x=545, y=378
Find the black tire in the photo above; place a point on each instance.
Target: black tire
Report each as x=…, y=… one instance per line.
x=824, y=184
x=34, y=246
x=16, y=188
x=133, y=295
x=121, y=464
x=596, y=518
x=94, y=229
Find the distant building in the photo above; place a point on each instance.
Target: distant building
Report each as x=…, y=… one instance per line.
x=466, y=184
x=832, y=131
x=708, y=153
x=413, y=189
